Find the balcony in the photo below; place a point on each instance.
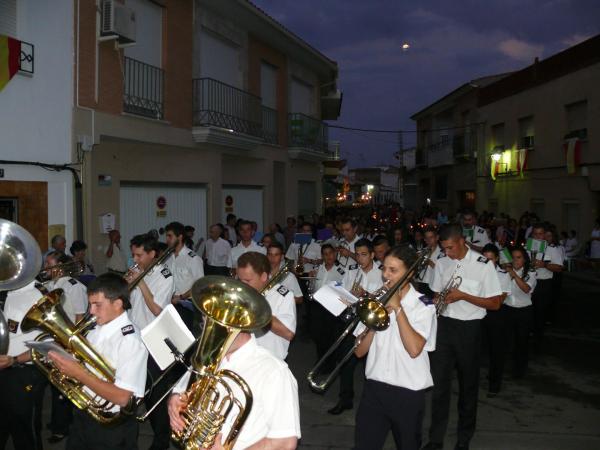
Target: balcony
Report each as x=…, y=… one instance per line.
x=420, y=157
x=440, y=154
x=308, y=138
x=226, y=115
x=464, y=147
x=270, y=126
x=143, y=89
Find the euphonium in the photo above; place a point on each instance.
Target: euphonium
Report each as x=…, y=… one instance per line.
x=49, y=316
x=230, y=307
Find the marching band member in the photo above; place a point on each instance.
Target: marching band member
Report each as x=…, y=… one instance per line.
x=148, y=299
x=380, y=247
x=253, y=270
x=117, y=340
x=425, y=278
x=346, y=255
x=274, y=419
x=361, y=278
x=475, y=236
x=494, y=324
x=246, y=244
x=459, y=333
x=21, y=384
x=518, y=308
x=323, y=324
x=217, y=251
x=186, y=268
x=276, y=261
x=546, y=264
x=397, y=369
x=75, y=304
x=311, y=252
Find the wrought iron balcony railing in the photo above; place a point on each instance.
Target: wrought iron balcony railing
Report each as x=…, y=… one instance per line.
x=143, y=92
x=464, y=146
x=308, y=132
x=420, y=157
x=270, y=125
x=221, y=105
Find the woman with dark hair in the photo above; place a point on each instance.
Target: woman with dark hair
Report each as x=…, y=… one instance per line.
x=519, y=312
x=397, y=367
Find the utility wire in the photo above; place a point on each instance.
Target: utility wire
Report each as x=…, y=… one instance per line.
x=374, y=130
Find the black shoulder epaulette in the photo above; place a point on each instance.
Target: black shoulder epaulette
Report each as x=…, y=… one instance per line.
x=553, y=245
x=191, y=253
x=127, y=329
x=353, y=267
x=73, y=281
x=380, y=266
x=482, y=259
x=502, y=271
x=283, y=290
x=526, y=278
x=426, y=300
x=337, y=263
x=481, y=230
x=441, y=255
x=166, y=272
x=260, y=244
x=341, y=271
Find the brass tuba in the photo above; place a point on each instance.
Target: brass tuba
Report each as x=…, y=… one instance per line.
x=49, y=316
x=230, y=307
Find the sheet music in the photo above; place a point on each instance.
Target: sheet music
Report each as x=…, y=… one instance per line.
x=331, y=296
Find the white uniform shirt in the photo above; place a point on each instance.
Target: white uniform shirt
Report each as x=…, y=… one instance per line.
x=119, y=343
x=389, y=362
x=160, y=283
x=275, y=412
x=480, y=237
x=18, y=302
x=310, y=251
x=370, y=281
x=186, y=268
x=518, y=298
x=291, y=282
x=551, y=255
x=117, y=261
x=75, y=299
x=232, y=234
x=240, y=249
x=324, y=276
x=504, y=279
x=283, y=306
x=217, y=253
x=479, y=278
x=345, y=261
x=426, y=275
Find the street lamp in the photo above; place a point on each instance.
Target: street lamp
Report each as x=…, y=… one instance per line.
x=496, y=156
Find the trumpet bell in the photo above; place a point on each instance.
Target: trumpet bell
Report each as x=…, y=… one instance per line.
x=373, y=314
x=20, y=256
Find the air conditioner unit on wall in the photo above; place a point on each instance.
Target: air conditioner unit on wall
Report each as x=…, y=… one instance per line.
x=118, y=21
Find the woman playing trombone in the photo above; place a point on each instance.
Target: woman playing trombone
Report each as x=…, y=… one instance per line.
x=397, y=368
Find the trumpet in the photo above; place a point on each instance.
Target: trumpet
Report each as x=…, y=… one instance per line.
x=369, y=310
x=69, y=269
x=453, y=283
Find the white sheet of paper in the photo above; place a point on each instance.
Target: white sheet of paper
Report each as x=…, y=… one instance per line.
x=168, y=324
x=329, y=296
x=48, y=346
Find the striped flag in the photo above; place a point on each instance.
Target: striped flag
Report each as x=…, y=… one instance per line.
x=9, y=59
x=572, y=149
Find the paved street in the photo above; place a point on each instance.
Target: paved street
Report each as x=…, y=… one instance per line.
x=556, y=408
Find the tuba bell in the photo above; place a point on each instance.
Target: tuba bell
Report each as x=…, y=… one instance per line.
x=20, y=261
x=230, y=307
x=49, y=316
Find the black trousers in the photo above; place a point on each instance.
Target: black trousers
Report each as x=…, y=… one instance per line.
x=216, y=270
x=159, y=419
x=494, y=325
x=458, y=345
x=22, y=392
x=346, y=395
x=62, y=412
x=87, y=434
x=322, y=328
x=383, y=408
x=518, y=325
x=542, y=299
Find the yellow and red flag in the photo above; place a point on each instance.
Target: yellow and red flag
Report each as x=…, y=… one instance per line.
x=9, y=58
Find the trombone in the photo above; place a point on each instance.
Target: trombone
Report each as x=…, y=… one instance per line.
x=162, y=258
x=370, y=310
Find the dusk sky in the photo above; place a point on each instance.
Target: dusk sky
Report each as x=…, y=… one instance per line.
x=451, y=42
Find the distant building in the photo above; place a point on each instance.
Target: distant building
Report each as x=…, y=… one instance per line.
x=379, y=183
x=542, y=132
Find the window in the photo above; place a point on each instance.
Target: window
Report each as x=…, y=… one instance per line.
x=8, y=17
x=576, y=118
x=219, y=59
x=148, y=22
x=526, y=132
x=268, y=85
x=498, y=136
x=571, y=216
x=302, y=97
x=441, y=187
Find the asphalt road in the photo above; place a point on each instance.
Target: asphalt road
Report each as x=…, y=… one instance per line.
x=557, y=407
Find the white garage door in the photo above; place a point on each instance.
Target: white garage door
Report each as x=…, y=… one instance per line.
x=247, y=204
x=140, y=213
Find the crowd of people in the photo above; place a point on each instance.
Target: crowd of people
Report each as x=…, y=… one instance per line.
x=486, y=278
